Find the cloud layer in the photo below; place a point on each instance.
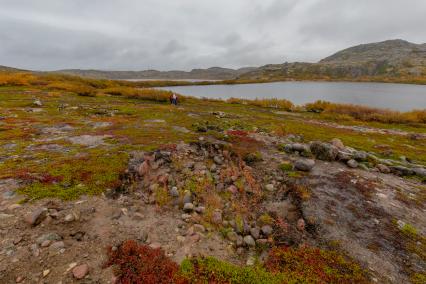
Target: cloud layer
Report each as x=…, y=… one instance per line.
x=186, y=34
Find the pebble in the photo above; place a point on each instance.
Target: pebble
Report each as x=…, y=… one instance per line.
x=267, y=230
x=249, y=241
x=174, y=192
x=255, y=232
x=301, y=225
x=270, y=187
x=80, y=271
x=36, y=217
x=46, y=272
x=304, y=165
x=188, y=207
x=352, y=164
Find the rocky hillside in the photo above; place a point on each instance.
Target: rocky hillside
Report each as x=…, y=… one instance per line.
x=389, y=60
x=213, y=73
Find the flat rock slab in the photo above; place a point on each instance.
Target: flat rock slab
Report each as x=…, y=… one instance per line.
x=89, y=140
x=181, y=129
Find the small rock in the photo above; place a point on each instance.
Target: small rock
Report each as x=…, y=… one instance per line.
x=383, y=168
x=232, y=236
x=255, y=232
x=80, y=271
x=421, y=172
x=143, y=236
x=270, y=187
x=360, y=156
x=188, y=207
x=249, y=241
x=174, y=192
x=19, y=279
x=155, y=245
x=251, y=260
x=217, y=160
x=36, y=217
x=266, y=230
x=352, y=163
x=187, y=198
x=37, y=103
x=5, y=216
x=324, y=151
x=233, y=189
x=200, y=209
x=217, y=217
x=48, y=236
x=69, y=218
x=336, y=142
x=304, y=164
x=57, y=246
x=46, y=272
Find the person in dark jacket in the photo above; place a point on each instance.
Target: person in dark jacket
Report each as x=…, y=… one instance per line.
x=174, y=99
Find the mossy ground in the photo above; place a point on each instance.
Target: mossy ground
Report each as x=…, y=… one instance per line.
x=137, y=124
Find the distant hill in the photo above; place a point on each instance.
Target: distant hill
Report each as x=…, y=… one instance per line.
x=392, y=58
x=213, y=73
x=9, y=69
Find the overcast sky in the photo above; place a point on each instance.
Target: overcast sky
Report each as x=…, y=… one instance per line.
x=186, y=34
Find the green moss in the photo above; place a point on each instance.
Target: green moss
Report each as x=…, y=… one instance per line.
x=286, y=167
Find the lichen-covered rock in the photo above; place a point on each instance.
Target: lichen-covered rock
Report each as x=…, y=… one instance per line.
x=304, y=164
x=324, y=151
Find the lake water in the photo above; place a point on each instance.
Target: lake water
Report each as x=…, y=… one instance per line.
x=392, y=96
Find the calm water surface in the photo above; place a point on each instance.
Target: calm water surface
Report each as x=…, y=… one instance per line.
x=393, y=96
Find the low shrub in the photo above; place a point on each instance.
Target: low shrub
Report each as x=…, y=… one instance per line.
x=136, y=264
x=314, y=265
x=141, y=94
x=267, y=103
x=364, y=113
x=16, y=79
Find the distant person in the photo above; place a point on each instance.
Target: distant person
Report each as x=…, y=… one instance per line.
x=174, y=99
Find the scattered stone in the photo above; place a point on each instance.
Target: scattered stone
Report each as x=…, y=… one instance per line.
x=37, y=103
x=402, y=171
x=155, y=245
x=174, y=192
x=324, y=151
x=360, y=156
x=270, y=187
x=255, y=232
x=344, y=156
x=187, y=198
x=304, y=164
x=233, y=189
x=56, y=246
x=188, y=207
x=383, y=168
x=352, y=163
x=19, y=279
x=249, y=241
x=336, y=142
x=217, y=217
x=232, y=236
x=48, y=237
x=46, y=272
x=69, y=218
x=36, y=217
x=200, y=209
x=267, y=230
x=421, y=172
x=143, y=236
x=80, y=271
x=217, y=160
x=251, y=260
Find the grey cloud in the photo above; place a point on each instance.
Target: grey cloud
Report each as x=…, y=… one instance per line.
x=185, y=34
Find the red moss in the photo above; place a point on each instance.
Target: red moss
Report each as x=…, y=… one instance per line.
x=137, y=264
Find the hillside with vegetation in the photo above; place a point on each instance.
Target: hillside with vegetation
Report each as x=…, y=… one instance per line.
x=107, y=182
x=213, y=73
x=388, y=61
